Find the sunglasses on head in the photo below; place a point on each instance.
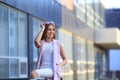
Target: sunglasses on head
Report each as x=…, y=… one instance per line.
x=50, y=22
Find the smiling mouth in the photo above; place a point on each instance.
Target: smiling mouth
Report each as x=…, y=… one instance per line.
x=51, y=35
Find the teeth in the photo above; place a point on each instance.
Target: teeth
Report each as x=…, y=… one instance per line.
x=51, y=35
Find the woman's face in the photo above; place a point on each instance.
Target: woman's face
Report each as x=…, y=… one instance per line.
x=50, y=31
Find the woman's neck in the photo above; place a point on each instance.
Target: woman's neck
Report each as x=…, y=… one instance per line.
x=48, y=40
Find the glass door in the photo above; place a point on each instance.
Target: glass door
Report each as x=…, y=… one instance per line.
x=100, y=64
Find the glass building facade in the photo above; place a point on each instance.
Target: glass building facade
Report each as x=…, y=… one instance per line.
x=13, y=43
x=19, y=27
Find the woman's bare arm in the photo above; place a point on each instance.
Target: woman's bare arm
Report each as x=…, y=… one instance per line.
x=64, y=58
x=39, y=36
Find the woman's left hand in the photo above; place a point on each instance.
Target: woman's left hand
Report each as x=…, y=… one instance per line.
x=59, y=65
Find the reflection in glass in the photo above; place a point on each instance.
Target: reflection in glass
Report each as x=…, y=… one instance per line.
x=80, y=51
x=4, y=68
x=91, y=59
x=22, y=34
x=3, y=31
x=34, y=64
x=65, y=38
x=13, y=33
x=14, y=68
x=97, y=6
x=23, y=68
x=36, y=29
x=13, y=42
x=80, y=9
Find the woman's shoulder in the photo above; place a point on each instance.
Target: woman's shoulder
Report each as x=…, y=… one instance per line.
x=42, y=41
x=57, y=41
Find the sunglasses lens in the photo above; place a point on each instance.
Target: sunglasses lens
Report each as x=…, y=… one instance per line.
x=47, y=22
x=51, y=22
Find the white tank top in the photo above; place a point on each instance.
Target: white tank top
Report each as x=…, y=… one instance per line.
x=47, y=55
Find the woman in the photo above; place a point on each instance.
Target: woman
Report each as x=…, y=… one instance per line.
x=50, y=51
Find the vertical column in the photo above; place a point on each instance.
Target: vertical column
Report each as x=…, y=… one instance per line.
x=30, y=44
x=75, y=75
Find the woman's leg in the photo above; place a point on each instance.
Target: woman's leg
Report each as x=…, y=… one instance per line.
x=34, y=74
x=42, y=73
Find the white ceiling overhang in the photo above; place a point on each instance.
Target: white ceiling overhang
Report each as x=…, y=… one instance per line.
x=108, y=38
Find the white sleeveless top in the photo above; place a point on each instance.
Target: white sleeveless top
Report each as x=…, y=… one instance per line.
x=47, y=55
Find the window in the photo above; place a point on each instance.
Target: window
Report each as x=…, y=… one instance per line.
x=22, y=35
x=36, y=29
x=13, y=33
x=14, y=68
x=100, y=63
x=13, y=42
x=80, y=9
x=80, y=54
x=90, y=60
x=65, y=38
x=4, y=31
x=4, y=68
x=23, y=68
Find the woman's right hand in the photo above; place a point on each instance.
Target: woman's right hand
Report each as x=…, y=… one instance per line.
x=43, y=25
